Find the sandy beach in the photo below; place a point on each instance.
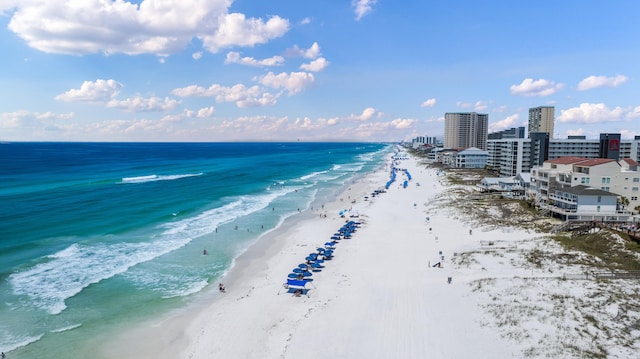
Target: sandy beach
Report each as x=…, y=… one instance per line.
x=383, y=295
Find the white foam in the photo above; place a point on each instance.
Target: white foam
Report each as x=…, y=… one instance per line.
x=66, y=273
x=152, y=178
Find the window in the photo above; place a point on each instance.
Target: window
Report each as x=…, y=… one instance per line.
x=636, y=179
x=634, y=189
x=634, y=198
x=599, y=199
x=598, y=208
x=606, y=180
x=584, y=180
x=604, y=189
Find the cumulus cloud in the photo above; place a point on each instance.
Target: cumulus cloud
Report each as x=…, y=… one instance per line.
x=234, y=58
x=540, y=87
x=592, y=82
x=16, y=118
x=592, y=113
x=143, y=104
x=477, y=106
x=429, y=103
x=362, y=7
x=293, y=82
x=160, y=27
x=310, y=53
x=316, y=65
x=242, y=95
x=509, y=122
x=205, y=112
x=197, y=55
x=105, y=92
x=236, y=30
x=366, y=115
x=92, y=91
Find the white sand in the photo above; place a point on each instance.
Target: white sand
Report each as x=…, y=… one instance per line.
x=378, y=298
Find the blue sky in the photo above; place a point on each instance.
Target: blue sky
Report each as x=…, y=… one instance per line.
x=315, y=70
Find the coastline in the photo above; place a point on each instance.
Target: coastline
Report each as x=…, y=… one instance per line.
x=385, y=296
x=168, y=336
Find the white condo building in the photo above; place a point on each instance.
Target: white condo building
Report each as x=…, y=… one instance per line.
x=560, y=183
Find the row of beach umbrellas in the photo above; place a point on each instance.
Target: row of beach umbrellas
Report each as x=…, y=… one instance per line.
x=314, y=262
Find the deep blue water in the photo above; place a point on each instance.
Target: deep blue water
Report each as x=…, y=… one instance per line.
x=93, y=234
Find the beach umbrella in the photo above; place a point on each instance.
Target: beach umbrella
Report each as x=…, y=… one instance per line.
x=306, y=274
x=292, y=275
x=320, y=250
x=329, y=244
x=303, y=266
x=335, y=238
x=297, y=270
x=310, y=258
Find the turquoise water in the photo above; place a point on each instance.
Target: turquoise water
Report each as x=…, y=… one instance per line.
x=96, y=234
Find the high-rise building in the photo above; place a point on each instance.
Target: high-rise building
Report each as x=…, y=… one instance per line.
x=464, y=130
x=541, y=120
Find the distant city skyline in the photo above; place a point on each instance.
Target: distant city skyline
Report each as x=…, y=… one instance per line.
x=349, y=70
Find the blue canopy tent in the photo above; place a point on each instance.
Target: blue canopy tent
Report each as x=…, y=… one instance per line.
x=294, y=286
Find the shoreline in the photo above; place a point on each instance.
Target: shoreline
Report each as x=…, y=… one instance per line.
x=384, y=296
x=167, y=337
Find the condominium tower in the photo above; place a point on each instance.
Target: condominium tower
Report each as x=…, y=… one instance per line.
x=541, y=120
x=464, y=130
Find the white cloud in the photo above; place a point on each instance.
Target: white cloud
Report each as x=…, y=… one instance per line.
x=236, y=30
x=592, y=113
x=429, y=103
x=159, y=27
x=240, y=94
x=197, y=55
x=509, y=122
x=17, y=119
x=234, y=57
x=205, y=112
x=592, y=82
x=293, y=82
x=142, y=104
x=540, y=87
x=316, y=65
x=98, y=91
x=310, y=53
x=305, y=21
x=478, y=106
x=367, y=114
x=362, y=7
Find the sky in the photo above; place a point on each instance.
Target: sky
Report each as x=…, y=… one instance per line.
x=314, y=70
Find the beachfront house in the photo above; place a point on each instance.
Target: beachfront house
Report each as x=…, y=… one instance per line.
x=507, y=186
x=616, y=178
x=582, y=203
x=471, y=158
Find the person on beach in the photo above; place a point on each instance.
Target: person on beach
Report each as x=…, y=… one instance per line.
x=204, y=252
x=221, y=288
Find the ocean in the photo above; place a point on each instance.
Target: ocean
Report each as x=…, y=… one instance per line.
x=97, y=235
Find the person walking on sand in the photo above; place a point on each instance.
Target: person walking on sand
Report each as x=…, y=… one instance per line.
x=221, y=288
